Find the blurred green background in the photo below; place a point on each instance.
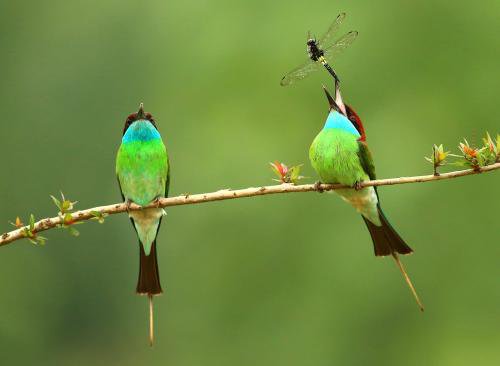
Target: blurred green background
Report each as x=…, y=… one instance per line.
x=276, y=280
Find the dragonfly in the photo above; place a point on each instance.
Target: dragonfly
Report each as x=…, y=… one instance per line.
x=321, y=52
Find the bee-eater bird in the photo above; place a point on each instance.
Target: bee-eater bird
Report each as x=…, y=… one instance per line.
x=143, y=172
x=339, y=154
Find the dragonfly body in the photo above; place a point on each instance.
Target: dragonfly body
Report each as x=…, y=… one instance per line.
x=316, y=54
x=321, y=52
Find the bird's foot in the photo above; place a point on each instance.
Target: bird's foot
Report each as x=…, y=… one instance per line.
x=357, y=186
x=157, y=202
x=317, y=187
x=128, y=203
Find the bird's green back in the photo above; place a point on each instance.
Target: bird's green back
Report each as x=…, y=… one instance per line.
x=142, y=168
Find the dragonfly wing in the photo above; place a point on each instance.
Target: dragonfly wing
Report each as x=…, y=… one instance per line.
x=327, y=38
x=341, y=44
x=300, y=72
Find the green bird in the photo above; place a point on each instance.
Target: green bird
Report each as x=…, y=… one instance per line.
x=143, y=172
x=340, y=154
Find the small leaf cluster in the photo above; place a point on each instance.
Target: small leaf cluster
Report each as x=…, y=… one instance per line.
x=438, y=157
x=66, y=207
x=472, y=157
x=492, y=151
x=65, y=214
x=286, y=174
x=99, y=216
x=29, y=231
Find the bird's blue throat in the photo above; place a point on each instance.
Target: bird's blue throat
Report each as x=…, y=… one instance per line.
x=141, y=130
x=341, y=122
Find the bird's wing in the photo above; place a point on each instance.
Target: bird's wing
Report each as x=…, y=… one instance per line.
x=366, y=159
x=123, y=199
x=119, y=185
x=300, y=72
x=167, y=180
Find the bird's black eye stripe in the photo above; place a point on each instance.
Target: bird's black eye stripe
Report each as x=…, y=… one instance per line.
x=152, y=122
x=128, y=122
x=133, y=117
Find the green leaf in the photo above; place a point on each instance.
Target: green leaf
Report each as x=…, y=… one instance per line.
x=56, y=202
x=73, y=231
x=32, y=222
x=460, y=163
x=63, y=204
x=294, y=174
x=66, y=205
x=99, y=216
x=480, y=159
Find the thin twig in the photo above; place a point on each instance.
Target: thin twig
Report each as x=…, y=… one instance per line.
x=226, y=194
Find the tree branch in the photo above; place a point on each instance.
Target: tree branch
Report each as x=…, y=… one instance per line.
x=226, y=194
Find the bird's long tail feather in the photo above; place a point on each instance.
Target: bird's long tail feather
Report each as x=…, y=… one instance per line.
x=408, y=281
x=151, y=323
x=386, y=241
x=149, y=276
x=149, y=282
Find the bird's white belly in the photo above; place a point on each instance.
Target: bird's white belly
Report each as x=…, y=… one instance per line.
x=146, y=223
x=364, y=201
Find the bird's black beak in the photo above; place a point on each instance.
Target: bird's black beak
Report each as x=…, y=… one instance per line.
x=140, y=113
x=338, y=98
x=331, y=101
